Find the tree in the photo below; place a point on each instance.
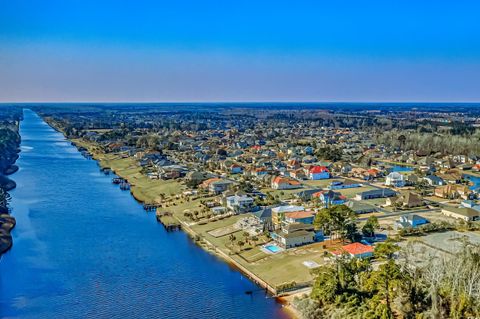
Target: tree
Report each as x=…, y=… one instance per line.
x=336, y=220
x=240, y=244
x=232, y=238
x=386, y=250
x=368, y=229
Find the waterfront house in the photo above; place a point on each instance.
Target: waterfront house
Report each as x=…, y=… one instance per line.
x=216, y=185
x=278, y=213
x=239, y=203
x=296, y=234
x=305, y=217
x=357, y=250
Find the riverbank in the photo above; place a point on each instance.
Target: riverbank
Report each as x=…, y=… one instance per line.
x=9, y=150
x=165, y=195
x=7, y=223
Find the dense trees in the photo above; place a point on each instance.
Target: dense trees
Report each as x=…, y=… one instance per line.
x=447, y=286
x=329, y=153
x=445, y=142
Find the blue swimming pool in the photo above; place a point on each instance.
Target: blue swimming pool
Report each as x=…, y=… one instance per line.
x=273, y=248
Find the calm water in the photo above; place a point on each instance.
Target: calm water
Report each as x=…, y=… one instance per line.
x=83, y=248
x=400, y=168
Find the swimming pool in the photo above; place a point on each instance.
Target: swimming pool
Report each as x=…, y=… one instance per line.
x=273, y=248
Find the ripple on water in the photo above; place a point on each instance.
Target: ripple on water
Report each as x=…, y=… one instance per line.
x=83, y=248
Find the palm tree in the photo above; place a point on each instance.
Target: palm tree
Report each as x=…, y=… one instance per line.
x=254, y=239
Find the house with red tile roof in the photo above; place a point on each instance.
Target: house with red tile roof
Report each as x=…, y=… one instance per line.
x=305, y=217
x=281, y=182
x=357, y=250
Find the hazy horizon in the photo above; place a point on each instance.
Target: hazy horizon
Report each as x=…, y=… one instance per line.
x=150, y=51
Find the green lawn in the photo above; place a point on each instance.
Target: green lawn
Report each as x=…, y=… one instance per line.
x=275, y=269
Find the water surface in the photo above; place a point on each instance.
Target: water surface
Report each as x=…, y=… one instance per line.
x=84, y=249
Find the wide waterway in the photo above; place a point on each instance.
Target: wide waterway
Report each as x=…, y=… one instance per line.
x=84, y=249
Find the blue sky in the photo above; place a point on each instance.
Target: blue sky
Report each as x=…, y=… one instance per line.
x=85, y=50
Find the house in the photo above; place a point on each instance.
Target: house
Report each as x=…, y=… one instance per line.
x=307, y=194
x=318, y=172
x=293, y=164
x=348, y=183
x=259, y=172
x=239, y=203
x=376, y=193
x=464, y=213
x=329, y=197
x=360, y=207
x=453, y=191
x=235, y=169
x=395, y=179
x=280, y=182
x=434, y=180
x=296, y=234
x=305, y=217
x=407, y=200
x=372, y=174
x=216, y=185
x=278, y=213
x=264, y=216
x=410, y=221
x=218, y=210
x=356, y=250
x=298, y=174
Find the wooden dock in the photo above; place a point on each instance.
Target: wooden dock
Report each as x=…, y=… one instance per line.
x=168, y=221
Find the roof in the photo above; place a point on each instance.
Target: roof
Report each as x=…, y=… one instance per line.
x=299, y=214
x=467, y=212
x=318, y=169
x=287, y=208
x=280, y=179
x=354, y=249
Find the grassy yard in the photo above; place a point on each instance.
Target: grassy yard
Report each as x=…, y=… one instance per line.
x=276, y=269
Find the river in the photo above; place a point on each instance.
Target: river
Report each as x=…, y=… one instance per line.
x=83, y=248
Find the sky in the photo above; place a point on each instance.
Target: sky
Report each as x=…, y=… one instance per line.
x=244, y=50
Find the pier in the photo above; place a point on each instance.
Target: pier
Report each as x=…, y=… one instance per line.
x=168, y=221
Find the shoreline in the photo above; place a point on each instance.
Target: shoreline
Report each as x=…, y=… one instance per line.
x=203, y=243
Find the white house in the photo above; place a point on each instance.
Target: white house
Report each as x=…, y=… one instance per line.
x=395, y=179
x=239, y=204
